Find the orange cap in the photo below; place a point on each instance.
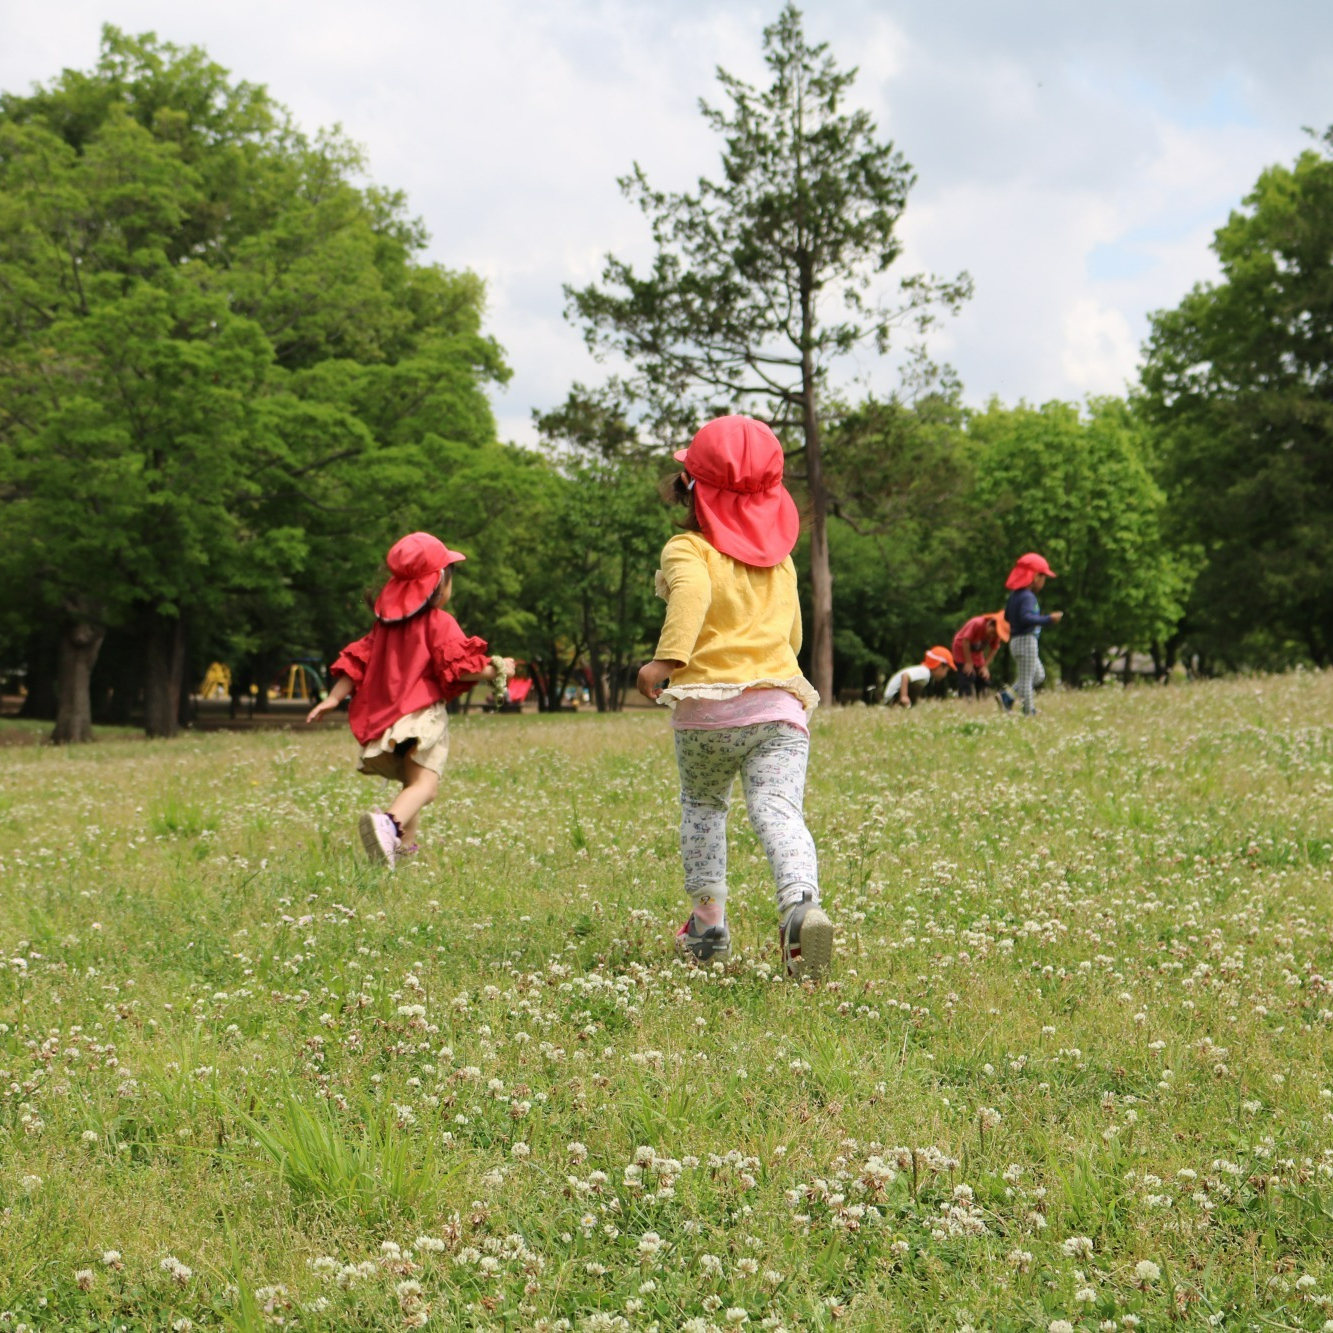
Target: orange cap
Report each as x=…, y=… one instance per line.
x=940, y=656
x=1001, y=622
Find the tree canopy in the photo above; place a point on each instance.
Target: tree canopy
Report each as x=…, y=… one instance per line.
x=762, y=278
x=224, y=372
x=1239, y=381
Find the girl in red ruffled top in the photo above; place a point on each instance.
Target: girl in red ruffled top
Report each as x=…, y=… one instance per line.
x=401, y=676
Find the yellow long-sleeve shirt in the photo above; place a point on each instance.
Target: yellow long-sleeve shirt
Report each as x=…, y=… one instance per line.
x=729, y=623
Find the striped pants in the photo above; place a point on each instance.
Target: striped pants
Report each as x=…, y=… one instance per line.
x=1029, y=672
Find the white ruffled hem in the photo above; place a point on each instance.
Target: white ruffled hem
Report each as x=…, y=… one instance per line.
x=797, y=685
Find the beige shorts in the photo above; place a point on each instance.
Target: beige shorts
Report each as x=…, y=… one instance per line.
x=422, y=736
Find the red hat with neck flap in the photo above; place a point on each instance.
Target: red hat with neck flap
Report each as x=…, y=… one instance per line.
x=416, y=564
x=744, y=510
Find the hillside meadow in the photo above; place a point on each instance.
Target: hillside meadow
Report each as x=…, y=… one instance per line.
x=1073, y=1069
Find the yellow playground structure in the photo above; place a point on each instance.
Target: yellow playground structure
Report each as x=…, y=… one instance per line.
x=217, y=682
x=300, y=681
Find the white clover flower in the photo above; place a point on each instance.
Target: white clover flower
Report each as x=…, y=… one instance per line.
x=84, y=1278
x=179, y=1272
x=1146, y=1271
x=521, y=1151
x=1060, y=1326
x=112, y=1259
x=430, y=1244
x=737, y=1314
x=31, y=1184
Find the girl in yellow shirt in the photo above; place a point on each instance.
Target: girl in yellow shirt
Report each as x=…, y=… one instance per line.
x=726, y=665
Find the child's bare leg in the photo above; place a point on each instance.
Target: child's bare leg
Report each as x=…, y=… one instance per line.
x=418, y=791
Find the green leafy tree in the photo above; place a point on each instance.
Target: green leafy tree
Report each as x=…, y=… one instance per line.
x=900, y=481
x=610, y=528
x=761, y=280
x=224, y=378
x=1079, y=489
x=1238, y=380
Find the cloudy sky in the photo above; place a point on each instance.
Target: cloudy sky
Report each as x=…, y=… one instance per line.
x=1075, y=158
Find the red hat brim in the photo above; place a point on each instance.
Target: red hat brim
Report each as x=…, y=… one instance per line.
x=401, y=598
x=757, y=528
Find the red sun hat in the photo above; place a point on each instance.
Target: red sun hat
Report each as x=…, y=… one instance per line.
x=940, y=656
x=744, y=510
x=1024, y=569
x=416, y=564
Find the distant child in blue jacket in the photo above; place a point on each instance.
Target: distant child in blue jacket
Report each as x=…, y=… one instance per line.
x=1026, y=622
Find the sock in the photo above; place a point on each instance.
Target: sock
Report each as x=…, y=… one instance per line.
x=795, y=894
x=710, y=906
x=397, y=827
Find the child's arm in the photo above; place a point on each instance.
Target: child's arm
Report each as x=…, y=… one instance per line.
x=342, y=687
x=489, y=672
x=905, y=691
x=652, y=674
x=685, y=572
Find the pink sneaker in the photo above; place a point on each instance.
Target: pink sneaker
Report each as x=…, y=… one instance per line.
x=379, y=838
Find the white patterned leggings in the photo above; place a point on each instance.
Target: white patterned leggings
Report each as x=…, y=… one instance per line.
x=771, y=759
x=1029, y=672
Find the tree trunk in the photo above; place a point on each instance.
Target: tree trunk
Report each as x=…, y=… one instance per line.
x=821, y=577
x=595, y=664
x=263, y=671
x=80, y=642
x=164, y=666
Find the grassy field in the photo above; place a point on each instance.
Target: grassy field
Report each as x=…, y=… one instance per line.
x=1074, y=1067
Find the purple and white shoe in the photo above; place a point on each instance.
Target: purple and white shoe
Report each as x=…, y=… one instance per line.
x=379, y=838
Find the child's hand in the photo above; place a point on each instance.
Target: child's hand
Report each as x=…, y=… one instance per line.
x=326, y=705
x=1057, y=617
x=651, y=676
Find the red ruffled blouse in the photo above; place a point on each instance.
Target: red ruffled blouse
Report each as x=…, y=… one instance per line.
x=408, y=665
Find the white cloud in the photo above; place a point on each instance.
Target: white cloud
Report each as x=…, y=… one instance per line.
x=1099, y=349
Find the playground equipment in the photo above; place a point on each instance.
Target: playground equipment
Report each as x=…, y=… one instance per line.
x=217, y=681
x=304, y=681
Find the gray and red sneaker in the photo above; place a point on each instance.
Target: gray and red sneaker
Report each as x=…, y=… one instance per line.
x=379, y=837
x=708, y=946
x=806, y=937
